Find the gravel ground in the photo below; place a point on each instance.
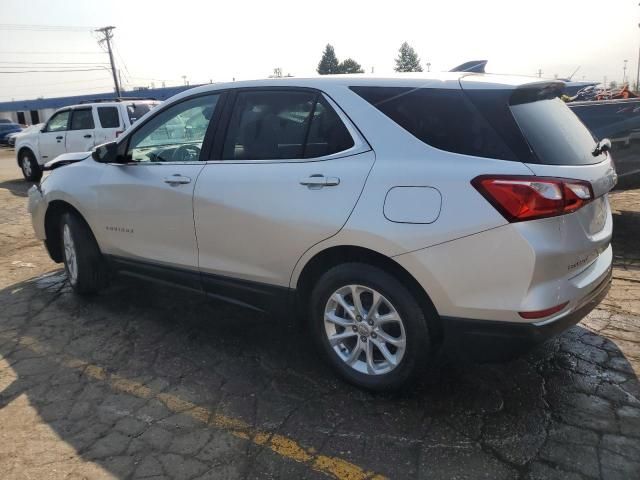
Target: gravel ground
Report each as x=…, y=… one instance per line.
x=145, y=381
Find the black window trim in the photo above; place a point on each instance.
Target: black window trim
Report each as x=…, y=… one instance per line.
x=70, y=122
x=360, y=144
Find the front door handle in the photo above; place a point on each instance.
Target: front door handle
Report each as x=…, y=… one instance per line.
x=177, y=179
x=87, y=136
x=318, y=181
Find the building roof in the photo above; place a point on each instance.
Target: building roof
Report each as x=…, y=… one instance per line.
x=59, y=102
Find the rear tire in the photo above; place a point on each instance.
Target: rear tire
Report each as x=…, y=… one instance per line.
x=31, y=170
x=85, y=266
x=374, y=347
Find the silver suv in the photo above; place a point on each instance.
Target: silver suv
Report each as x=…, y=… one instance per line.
x=398, y=216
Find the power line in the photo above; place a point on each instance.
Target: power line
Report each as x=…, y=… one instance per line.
x=49, y=53
x=44, y=28
x=52, y=71
x=53, y=63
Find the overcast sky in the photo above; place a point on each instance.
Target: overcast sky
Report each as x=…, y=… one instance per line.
x=220, y=40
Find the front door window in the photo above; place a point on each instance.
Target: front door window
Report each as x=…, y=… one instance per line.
x=174, y=135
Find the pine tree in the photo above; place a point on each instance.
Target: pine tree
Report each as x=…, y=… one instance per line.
x=329, y=62
x=350, y=66
x=407, y=60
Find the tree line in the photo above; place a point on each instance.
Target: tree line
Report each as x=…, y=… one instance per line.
x=407, y=61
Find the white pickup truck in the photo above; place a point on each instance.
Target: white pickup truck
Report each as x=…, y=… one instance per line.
x=77, y=128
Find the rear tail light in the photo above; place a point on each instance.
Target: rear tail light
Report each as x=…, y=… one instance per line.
x=543, y=313
x=520, y=198
x=118, y=132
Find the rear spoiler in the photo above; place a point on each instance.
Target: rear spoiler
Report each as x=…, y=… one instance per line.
x=473, y=66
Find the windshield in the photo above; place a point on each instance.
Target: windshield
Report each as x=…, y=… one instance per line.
x=555, y=134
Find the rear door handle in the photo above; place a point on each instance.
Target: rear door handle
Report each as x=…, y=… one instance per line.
x=318, y=181
x=177, y=179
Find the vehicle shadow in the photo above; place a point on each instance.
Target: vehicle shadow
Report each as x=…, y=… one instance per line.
x=18, y=187
x=144, y=378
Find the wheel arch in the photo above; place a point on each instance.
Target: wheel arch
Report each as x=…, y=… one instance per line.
x=335, y=255
x=55, y=210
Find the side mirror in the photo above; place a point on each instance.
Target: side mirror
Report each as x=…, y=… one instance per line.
x=106, y=153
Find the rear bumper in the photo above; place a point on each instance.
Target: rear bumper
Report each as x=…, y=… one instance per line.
x=484, y=340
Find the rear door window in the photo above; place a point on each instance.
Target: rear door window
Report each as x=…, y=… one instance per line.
x=442, y=118
x=82, y=119
x=109, y=117
x=327, y=134
x=278, y=125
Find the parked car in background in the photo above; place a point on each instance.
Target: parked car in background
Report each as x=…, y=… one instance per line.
x=6, y=120
x=391, y=212
x=13, y=137
x=77, y=129
x=6, y=129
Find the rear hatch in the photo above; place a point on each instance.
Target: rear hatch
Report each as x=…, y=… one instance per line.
x=551, y=141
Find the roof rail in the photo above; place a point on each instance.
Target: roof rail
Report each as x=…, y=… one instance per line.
x=116, y=99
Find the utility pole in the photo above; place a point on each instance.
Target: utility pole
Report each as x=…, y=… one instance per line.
x=106, y=31
x=624, y=72
x=539, y=73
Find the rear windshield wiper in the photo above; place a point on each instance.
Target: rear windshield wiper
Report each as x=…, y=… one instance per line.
x=602, y=146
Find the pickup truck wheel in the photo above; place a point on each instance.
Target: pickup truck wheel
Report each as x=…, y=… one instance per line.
x=29, y=165
x=369, y=326
x=85, y=266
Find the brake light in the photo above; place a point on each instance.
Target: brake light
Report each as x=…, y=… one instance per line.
x=543, y=313
x=520, y=198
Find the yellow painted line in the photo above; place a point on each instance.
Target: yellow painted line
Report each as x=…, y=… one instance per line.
x=286, y=447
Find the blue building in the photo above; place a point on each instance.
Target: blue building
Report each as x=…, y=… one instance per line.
x=30, y=112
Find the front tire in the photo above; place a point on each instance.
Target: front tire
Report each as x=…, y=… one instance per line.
x=31, y=170
x=369, y=327
x=83, y=262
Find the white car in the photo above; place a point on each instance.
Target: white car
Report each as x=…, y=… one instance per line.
x=397, y=215
x=76, y=129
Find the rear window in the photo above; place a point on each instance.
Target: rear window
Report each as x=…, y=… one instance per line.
x=554, y=132
x=137, y=110
x=442, y=118
x=109, y=117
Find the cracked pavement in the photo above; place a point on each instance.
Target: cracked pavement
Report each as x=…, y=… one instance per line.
x=146, y=381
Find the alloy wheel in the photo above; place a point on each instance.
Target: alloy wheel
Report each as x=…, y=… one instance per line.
x=26, y=166
x=365, y=330
x=70, y=254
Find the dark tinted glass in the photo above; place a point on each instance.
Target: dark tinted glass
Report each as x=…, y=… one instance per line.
x=268, y=125
x=554, y=132
x=442, y=118
x=137, y=110
x=109, y=117
x=82, y=120
x=327, y=133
